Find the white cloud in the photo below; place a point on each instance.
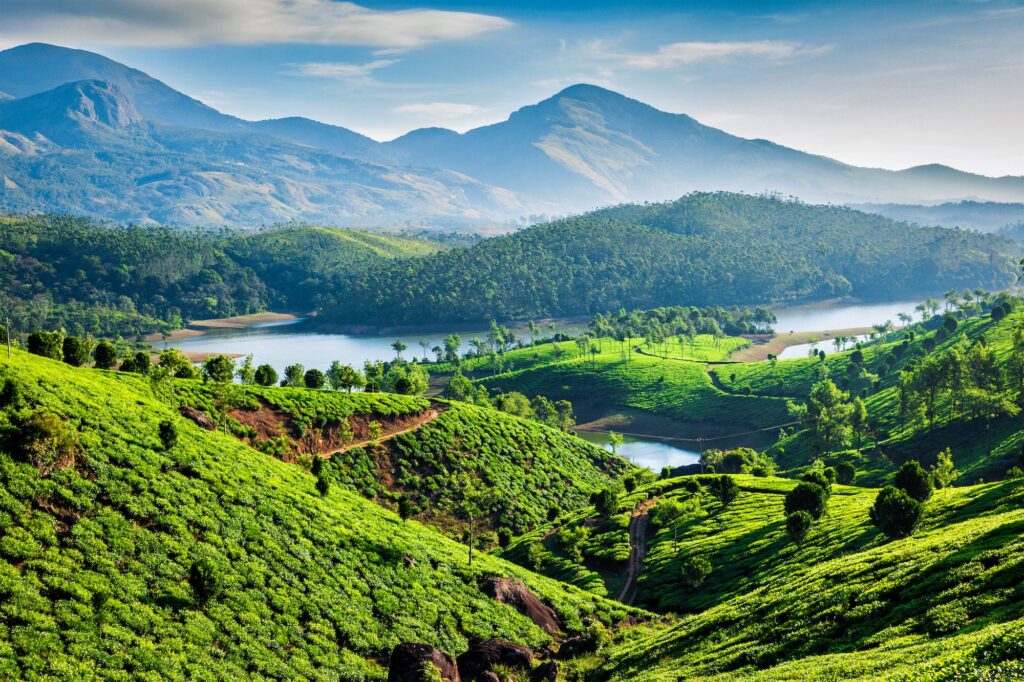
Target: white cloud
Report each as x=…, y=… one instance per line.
x=340, y=70
x=676, y=55
x=235, y=22
x=440, y=111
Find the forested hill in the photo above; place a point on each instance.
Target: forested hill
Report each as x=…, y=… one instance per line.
x=706, y=248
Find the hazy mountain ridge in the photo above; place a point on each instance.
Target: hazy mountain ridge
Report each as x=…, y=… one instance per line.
x=92, y=136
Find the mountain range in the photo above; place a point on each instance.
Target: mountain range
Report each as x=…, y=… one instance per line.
x=81, y=133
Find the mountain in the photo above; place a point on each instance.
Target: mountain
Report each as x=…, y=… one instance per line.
x=172, y=158
x=988, y=216
x=588, y=145
x=693, y=251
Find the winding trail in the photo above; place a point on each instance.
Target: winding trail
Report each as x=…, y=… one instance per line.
x=425, y=417
x=637, y=549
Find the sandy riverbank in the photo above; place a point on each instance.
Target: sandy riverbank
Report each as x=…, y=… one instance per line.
x=763, y=345
x=200, y=327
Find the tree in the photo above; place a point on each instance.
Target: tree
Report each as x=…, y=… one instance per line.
x=944, y=473
x=168, y=432
x=294, y=376
x=138, y=363
x=398, y=347
x=266, y=375
x=807, y=497
x=859, y=421
x=817, y=477
x=572, y=539
x=605, y=501
x=694, y=570
x=105, y=355
x=798, y=524
x=219, y=369
x=205, y=578
x=314, y=378
x=913, y=480
x=246, y=373
x=614, y=440
x=77, y=350
x=724, y=489
x=425, y=345
x=896, y=513
x=177, y=364
x=452, y=344
x=406, y=507
x=405, y=378
x=374, y=372
x=668, y=512
x=344, y=377
x=47, y=344
x=846, y=473
x=831, y=413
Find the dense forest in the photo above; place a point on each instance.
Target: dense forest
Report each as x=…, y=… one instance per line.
x=703, y=249
x=59, y=271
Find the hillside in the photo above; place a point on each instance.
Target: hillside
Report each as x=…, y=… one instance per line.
x=988, y=216
x=694, y=251
x=183, y=162
x=126, y=557
x=106, y=280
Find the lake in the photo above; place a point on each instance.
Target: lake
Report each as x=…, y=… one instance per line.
x=282, y=343
x=651, y=453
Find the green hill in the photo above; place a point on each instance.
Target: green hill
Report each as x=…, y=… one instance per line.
x=698, y=250
x=127, y=559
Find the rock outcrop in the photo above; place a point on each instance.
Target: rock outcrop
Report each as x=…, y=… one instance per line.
x=515, y=593
x=410, y=662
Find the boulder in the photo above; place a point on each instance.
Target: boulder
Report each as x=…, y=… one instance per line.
x=515, y=593
x=410, y=661
x=198, y=417
x=545, y=672
x=483, y=656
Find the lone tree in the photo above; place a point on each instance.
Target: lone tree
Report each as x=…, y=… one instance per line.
x=294, y=375
x=605, y=501
x=806, y=497
x=206, y=580
x=398, y=347
x=406, y=508
x=724, y=489
x=798, y=524
x=219, y=369
x=896, y=513
x=105, y=355
x=846, y=473
x=914, y=480
x=266, y=375
x=614, y=440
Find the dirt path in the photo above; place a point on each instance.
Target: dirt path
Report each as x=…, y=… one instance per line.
x=637, y=550
x=425, y=417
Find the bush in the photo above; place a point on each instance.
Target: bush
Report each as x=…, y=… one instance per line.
x=914, y=480
x=896, y=513
x=105, y=355
x=806, y=497
x=605, y=501
x=798, y=524
x=846, y=473
x=724, y=489
x=819, y=479
x=314, y=378
x=695, y=570
x=48, y=442
x=266, y=375
x=205, y=579
x=47, y=344
x=504, y=537
x=138, y=363
x=76, y=350
x=219, y=369
x=168, y=434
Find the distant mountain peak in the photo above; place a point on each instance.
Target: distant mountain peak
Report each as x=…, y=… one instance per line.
x=69, y=110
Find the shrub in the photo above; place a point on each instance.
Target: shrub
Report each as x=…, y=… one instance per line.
x=914, y=480
x=504, y=536
x=846, y=473
x=314, y=378
x=219, y=369
x=76, y=350
x=605, y=501
x=895, y=512
x=1014, y=473
x=10, y=394
x=105, y=355
x=944, y=473
x=694, y=570
x=168, y=434
x=138, y=363
x=818, y=478
x=48, y=442
x=724, y=489
x=205, y=579
x=798, y=524
x=807, y=497
x=47, y=344
x=266, y=375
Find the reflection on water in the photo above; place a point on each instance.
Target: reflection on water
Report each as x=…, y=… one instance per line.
x=653, y=454
x=803, y=350
x=823, y=317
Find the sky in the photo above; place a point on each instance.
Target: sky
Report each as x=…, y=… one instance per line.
x=880, y=84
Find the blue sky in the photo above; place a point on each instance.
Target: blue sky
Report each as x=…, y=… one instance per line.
x=888, y=84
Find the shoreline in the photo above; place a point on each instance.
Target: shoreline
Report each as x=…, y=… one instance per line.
x=763, y=345
x=200, y=327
